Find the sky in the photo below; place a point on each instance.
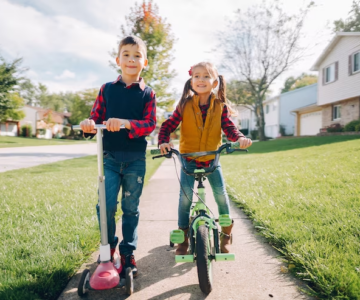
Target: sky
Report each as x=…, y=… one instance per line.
x=65, y=44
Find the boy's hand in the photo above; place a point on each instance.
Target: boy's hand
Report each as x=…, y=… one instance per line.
x=114, y=124
x=244, y=142
x=164, y=148
x=87, y=126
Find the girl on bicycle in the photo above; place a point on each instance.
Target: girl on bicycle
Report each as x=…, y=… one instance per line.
x=202, y=114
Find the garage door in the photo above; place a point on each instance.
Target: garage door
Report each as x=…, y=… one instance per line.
x=310, y=123
x=10, y=130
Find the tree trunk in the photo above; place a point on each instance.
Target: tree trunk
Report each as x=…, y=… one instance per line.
x=262, y=136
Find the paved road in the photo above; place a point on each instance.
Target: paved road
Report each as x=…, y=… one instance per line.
x=255, y=275
x=24, y=157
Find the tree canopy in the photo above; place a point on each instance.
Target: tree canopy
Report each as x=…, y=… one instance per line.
x=144, y=21
x=292, y=83
x=10, y=100
x=352, y=23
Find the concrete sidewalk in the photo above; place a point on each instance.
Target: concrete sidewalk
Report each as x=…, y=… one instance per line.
x=255, y=275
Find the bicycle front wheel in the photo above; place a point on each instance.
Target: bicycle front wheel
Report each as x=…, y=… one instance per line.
x=204, y=264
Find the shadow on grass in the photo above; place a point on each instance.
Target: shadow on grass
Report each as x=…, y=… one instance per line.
x=284, y=144
x=44, y=287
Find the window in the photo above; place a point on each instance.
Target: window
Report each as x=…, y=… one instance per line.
x=336, y=112
x=330, y=73
x=356, y=62
x=267, y=108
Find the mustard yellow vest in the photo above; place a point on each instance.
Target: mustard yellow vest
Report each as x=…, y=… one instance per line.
x=195, y=136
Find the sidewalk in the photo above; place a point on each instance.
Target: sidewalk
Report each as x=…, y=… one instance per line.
x=255, y=275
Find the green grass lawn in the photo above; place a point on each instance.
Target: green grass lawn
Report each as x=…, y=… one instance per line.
x=303, y=195
x=9, y=141
x=48, y=226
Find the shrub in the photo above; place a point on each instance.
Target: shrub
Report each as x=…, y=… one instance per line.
x=25, y=131
x=351, y=125
x=66, y=130
x=335, y=128
x=254, y=134
x=357, y=127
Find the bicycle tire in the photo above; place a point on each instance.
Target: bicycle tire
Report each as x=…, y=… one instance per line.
x=203, y=263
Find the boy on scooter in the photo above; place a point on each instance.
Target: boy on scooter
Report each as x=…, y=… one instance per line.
x=128, y=102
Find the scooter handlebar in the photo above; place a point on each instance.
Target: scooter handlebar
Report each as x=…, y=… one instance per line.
x=97, y=126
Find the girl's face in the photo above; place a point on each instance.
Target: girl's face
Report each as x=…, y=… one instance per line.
x=202, y=82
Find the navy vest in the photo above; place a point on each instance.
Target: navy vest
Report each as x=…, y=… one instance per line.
x=124, y=103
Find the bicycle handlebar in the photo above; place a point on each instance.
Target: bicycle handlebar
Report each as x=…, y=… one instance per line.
x=97, y=126
x=230, y=148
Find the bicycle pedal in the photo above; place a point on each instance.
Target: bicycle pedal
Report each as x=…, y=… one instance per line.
x=184, y=258
x=225, y=220
x=224, y=256
x=177, y=236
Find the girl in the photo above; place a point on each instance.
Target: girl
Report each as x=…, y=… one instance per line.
x=203, y=114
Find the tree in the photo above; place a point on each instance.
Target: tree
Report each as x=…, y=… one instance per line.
x=81, y=105
x=144, y=21
x=304, y=79
x=261, y=44
x=10, y=101
x=352, y=23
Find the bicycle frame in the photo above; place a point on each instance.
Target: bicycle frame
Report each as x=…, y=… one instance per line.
x=200, y=213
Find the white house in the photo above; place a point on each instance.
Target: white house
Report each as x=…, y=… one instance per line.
x=279, y=114
x=339, y=79
x=245, y=119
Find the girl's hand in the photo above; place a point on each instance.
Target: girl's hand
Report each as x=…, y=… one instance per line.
x=87, y=126
x=244, y=142
x=114, y=124
x=164, y=148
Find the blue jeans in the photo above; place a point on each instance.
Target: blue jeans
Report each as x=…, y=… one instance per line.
x=217, y=183
x=130, y=177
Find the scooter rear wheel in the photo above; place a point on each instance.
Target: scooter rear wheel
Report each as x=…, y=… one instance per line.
x=82, y=287
x=129, y=281
x=204, y=264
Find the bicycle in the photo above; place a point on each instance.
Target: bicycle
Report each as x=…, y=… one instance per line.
x=203, y=231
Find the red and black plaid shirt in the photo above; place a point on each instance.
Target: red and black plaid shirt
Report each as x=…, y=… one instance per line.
x=138, y=127
x=227, y=125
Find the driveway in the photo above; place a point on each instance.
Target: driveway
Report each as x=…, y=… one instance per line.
x=24, y=157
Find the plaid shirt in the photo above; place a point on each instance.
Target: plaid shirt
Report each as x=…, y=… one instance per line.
x=138, y=127
x=227, y=125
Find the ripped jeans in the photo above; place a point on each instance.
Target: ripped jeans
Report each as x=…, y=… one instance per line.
x=130, y=177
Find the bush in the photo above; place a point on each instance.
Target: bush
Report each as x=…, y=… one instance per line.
x=245, y=131
x=351, y=126
x=66, y=130
x=357, y=127
x=335, y=128
x=254, y=134
x=25, y=131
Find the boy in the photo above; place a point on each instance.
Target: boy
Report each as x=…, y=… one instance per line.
x=125, y=102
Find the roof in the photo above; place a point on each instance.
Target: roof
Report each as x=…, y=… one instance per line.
x=331, y=46
x=56, y=117
x=310, y=107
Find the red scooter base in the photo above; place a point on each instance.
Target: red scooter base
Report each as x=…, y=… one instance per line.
x=105, y=277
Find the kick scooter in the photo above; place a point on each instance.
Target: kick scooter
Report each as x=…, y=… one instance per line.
x=107, y=273
x=203, y=231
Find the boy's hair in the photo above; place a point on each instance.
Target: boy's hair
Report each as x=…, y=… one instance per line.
x=132, y=40
x=221, y=94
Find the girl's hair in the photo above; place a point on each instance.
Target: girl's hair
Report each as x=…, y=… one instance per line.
x=189, y=92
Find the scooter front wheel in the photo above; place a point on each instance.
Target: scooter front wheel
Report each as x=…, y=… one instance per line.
x=204, y=264
x=82, y=287
x=129, y=281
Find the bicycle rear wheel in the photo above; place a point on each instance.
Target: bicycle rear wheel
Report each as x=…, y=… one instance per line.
x=204, y=264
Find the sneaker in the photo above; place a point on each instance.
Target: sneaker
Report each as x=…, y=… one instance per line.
x=129, y=261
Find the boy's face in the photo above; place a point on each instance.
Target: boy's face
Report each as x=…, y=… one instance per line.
x=131, y=60
x=201, y=81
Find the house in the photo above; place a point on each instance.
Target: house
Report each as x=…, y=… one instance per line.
x=339, y=80
x=279, y=115
x=45, y=123
x=245, y=119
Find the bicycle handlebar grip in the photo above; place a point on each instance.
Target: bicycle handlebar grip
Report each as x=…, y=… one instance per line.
x=155, y=151
x=235, y=145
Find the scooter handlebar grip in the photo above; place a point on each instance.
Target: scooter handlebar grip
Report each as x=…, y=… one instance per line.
x=235, y=145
